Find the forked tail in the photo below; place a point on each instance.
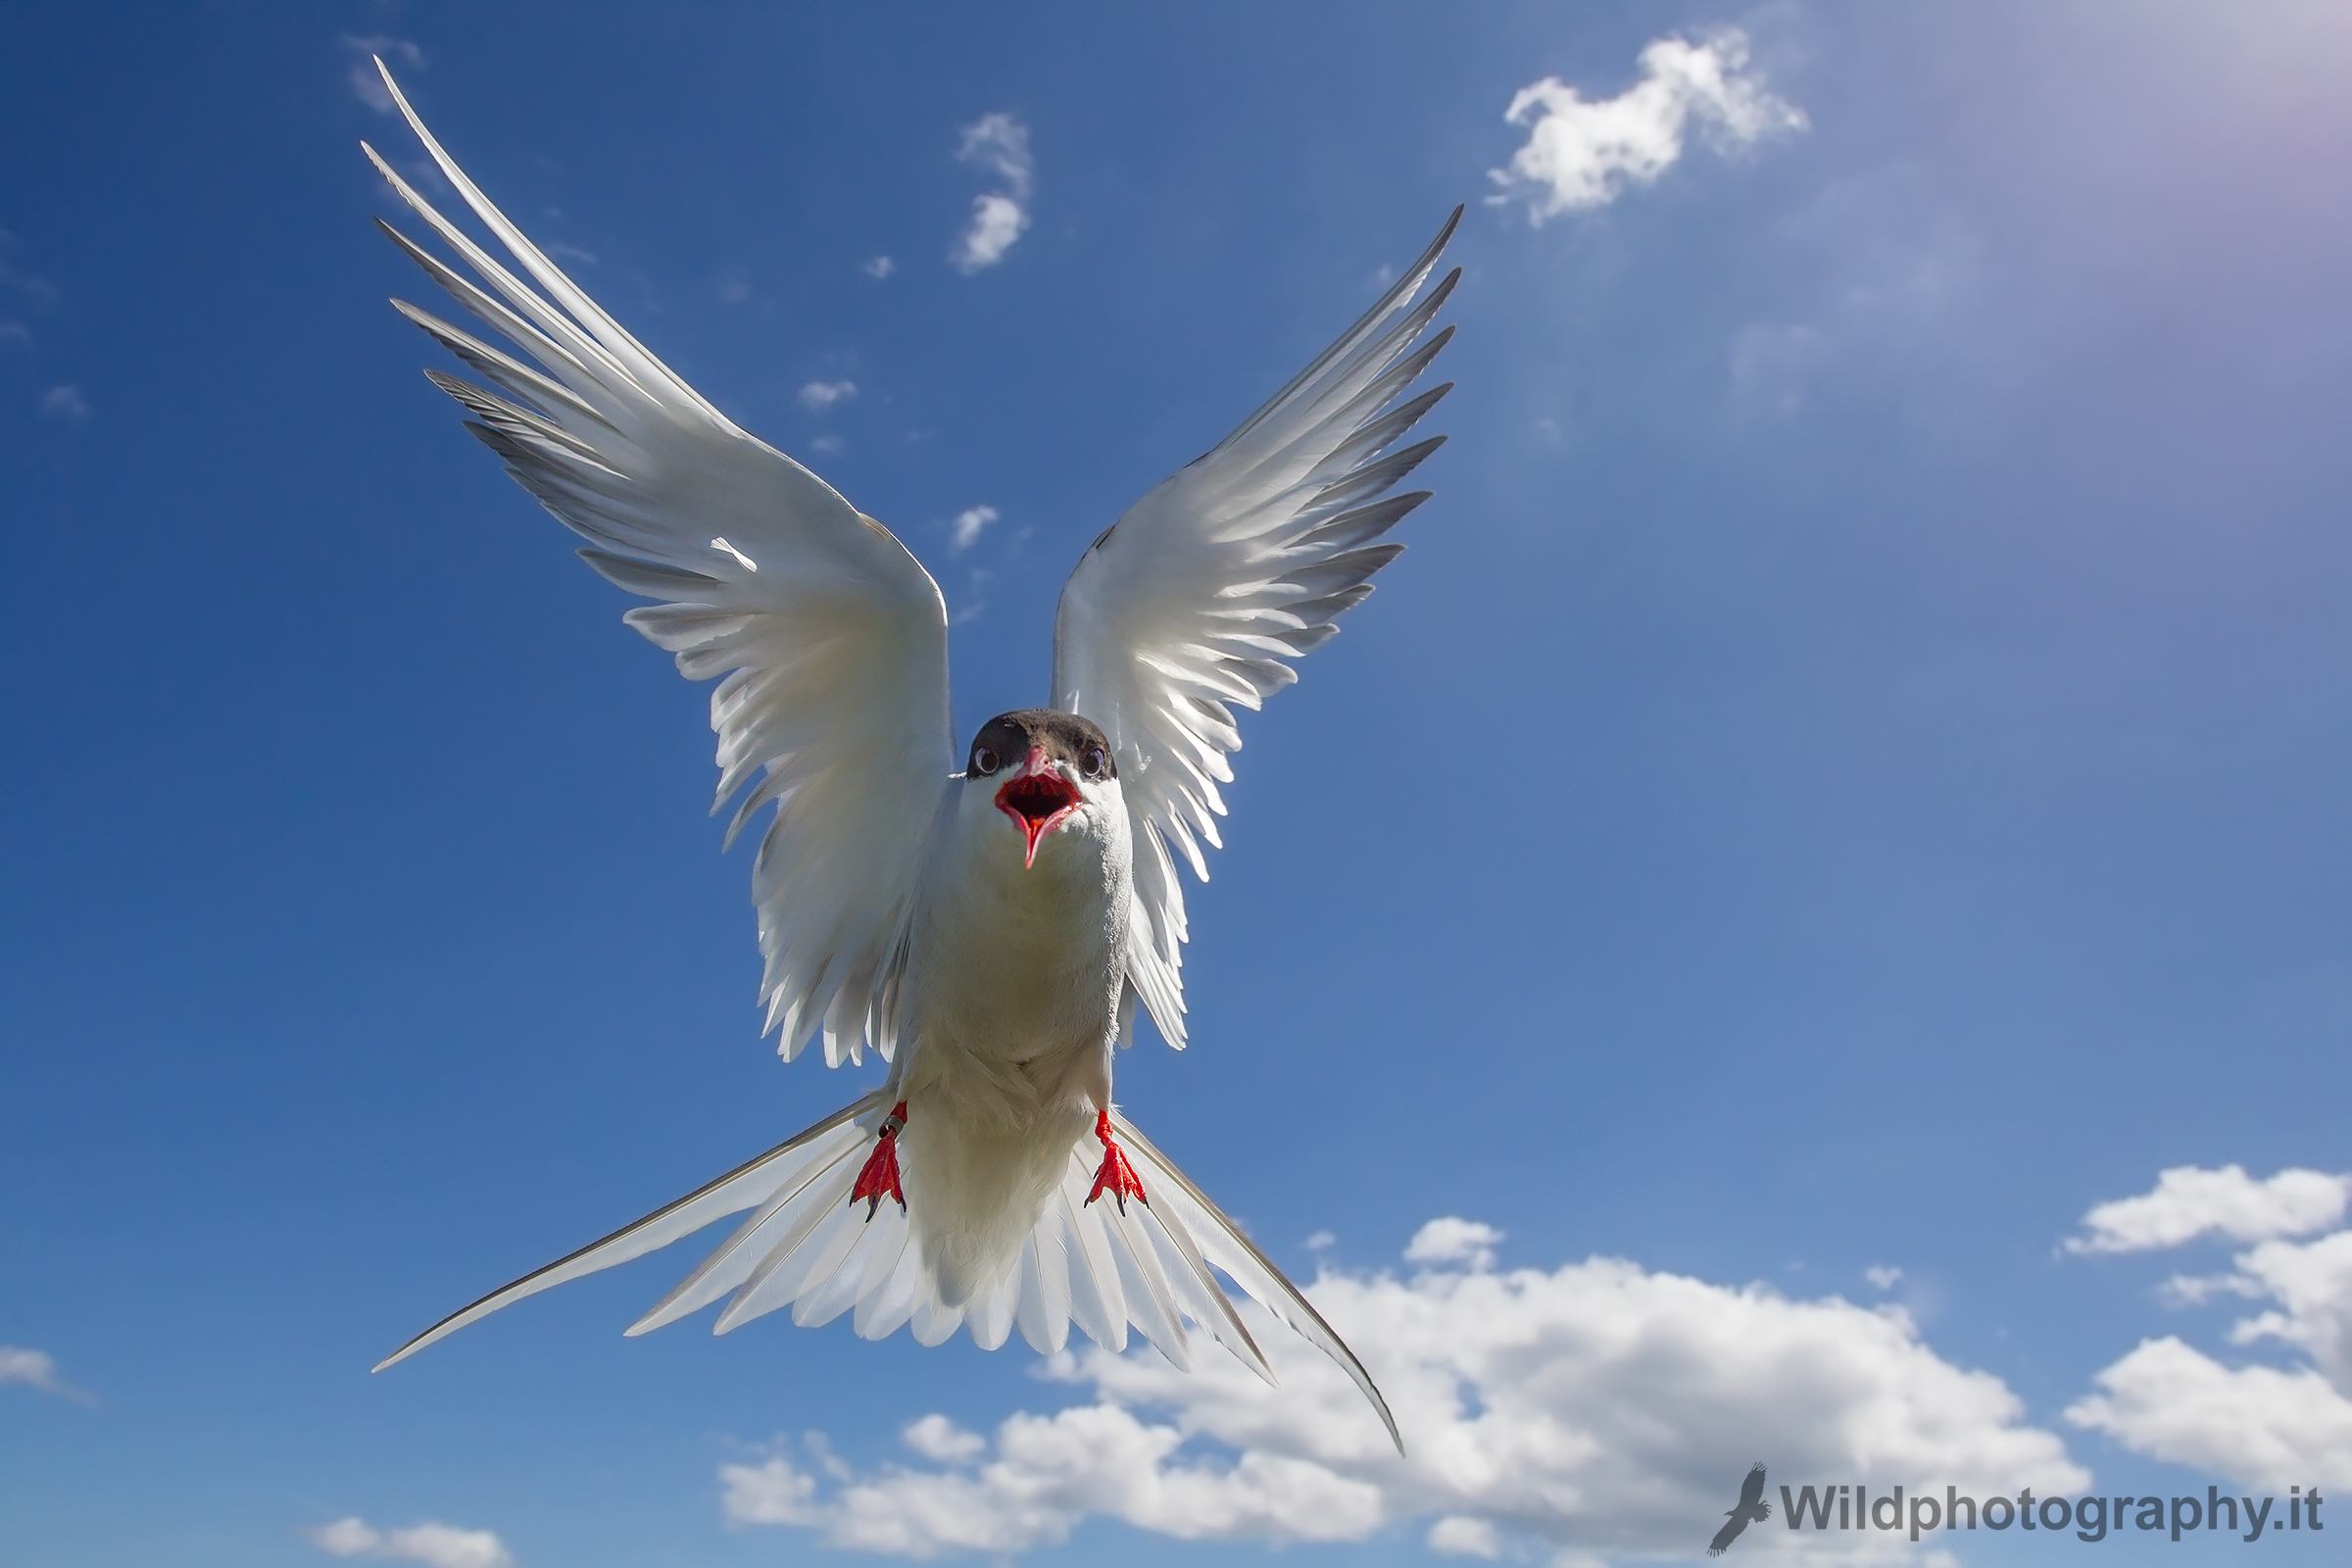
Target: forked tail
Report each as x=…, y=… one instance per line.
x=808, y=1246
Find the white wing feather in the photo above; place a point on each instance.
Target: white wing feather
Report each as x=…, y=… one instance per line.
x=831, y=636
x=1188, y=604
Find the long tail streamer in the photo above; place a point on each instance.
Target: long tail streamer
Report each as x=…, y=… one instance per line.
x=1151, y=1267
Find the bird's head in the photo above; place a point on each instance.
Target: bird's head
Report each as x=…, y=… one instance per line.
x=1043, y=770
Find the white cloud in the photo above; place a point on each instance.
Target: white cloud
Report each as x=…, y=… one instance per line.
x=1595, y=1407
x=818, y=396
x=2189, y=1202
x=365, y=84
x=1456, y=1537
x=16, y=332
x=968, y=524
x=999, y=144
x=2260, y=1425
x=1450, y=1240
x=2257, y=1425
x=436, y=1546
x=1582, y=153
x=935, y=1437
x=36, y=1369
x=880, y=267
x=830, y=445
x=770, y=1493
x=1883, y=1275
x=65, y=403
x=2312, y=1282
x=997, y=222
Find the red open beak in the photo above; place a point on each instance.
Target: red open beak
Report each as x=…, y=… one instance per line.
x=1036, y=798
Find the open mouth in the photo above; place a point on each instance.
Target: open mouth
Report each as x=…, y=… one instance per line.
x=1037, y=803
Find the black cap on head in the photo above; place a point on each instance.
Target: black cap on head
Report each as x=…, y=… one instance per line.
x=1063, y=737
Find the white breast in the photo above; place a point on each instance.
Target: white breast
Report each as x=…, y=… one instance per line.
x=1011, y=1009
x=1016, y=966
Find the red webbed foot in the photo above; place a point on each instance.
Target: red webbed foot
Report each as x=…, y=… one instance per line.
x=1115, y=1177
x=880, y=1177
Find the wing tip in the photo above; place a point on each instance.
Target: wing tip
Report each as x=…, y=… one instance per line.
x=405, y=1351
x=393, y=87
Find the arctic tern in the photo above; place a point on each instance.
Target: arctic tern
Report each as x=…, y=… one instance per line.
x=989, y=932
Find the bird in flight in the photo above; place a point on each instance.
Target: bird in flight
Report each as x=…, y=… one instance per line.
x=1751, y=1508
x=990, y=931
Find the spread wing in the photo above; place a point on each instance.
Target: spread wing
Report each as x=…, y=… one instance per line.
x=1189, y=606
x=1753, y=1489
x=831, y=636
x=1726, y=1535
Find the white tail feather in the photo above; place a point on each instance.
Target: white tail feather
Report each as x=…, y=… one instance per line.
x=812, y=1249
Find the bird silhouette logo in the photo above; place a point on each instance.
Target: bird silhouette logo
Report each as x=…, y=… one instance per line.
x=1751, y=1508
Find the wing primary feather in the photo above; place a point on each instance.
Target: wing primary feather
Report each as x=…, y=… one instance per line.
x=761, y=568
x=610, y=338
x=577, y=343
x=1370, y=480
x=1376, y=436
x=1403, y=288
x=1364, y=524
x=518, y=378
x=518, y=424
x=541, y=347
x=1198, y=599
x=648, y=578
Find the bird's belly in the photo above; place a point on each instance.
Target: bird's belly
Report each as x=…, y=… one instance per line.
x=1013, y=978
x=1014, y=994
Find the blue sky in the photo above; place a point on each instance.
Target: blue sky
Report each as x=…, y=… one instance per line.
x=1847, y=779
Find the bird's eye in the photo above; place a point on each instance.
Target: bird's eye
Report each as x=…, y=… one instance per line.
x=985, y=760
x=1093, y=762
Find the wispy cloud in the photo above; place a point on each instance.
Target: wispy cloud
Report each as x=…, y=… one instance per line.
x=818, y=396
x=1595, y=1407
x=365, y=84
x=1583, y=152
x=2261, y=1425
x=999, y=144
x=880, y=267
x=37, y=1369
x=16, y=332
x=569, y=253
x=436, y=1546
x=65, y=403
x=968, y=525
x=36, y=291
